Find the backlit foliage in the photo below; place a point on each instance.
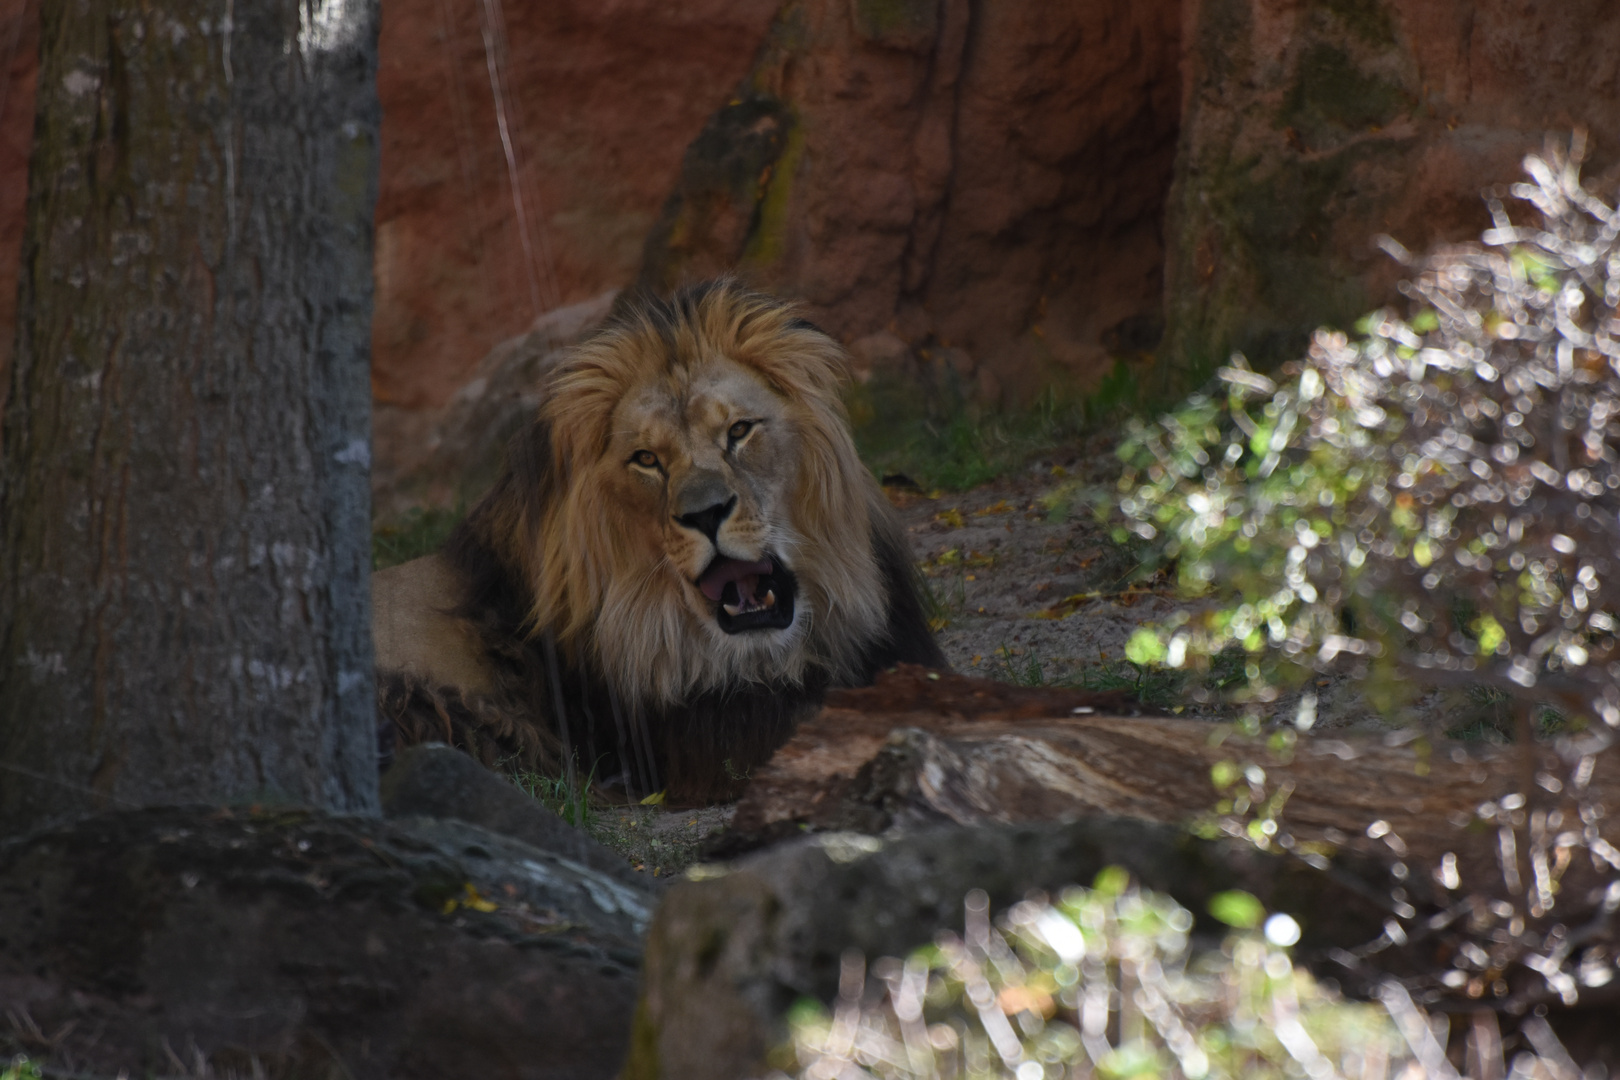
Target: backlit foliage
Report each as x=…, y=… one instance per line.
x=1434, y=500
x=1102, y=982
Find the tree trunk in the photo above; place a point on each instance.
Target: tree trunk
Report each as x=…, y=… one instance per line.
x=183, y=494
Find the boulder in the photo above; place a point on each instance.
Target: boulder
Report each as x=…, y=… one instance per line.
x=284, y=942
x=438, y=781
x=447, y=455
x=732, y=947
x=1308, y=129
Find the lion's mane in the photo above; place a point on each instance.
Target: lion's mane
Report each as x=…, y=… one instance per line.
x=589, y=635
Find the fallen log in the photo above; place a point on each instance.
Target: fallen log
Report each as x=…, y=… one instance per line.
x=929, y=747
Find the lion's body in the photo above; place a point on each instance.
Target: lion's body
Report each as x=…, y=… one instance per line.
x=681, y=555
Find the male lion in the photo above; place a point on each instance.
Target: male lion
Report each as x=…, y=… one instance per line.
x=682, y=554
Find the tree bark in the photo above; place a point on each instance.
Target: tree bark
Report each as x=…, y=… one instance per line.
x=184, y=604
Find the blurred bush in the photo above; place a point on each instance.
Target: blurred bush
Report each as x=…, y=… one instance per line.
x=1103, y=982
x=1432, y=502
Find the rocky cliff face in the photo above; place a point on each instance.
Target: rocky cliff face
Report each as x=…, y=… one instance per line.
x=987, y=183
x=526, y=151
x=1310, y=128
x=985, y=177
x=487, y=216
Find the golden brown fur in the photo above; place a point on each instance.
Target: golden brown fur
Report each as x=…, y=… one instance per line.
x=707, y=431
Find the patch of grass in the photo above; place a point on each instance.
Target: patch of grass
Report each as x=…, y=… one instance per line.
x=1154, y=687
x=1019, y=670
x=419, y=531
x=653, y=839
x=941, y=441
x=1158, y=688
x=572, y=803
x=944, y=588
x=20, y=1068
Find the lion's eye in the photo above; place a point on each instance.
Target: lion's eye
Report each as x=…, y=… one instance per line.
x=740, y=429
x=645, y=458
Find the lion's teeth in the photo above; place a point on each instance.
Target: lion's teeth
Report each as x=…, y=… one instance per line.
x=732, y=609
x=770, y=598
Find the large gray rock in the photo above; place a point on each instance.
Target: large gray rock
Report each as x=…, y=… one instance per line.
x=733, y=946
x=161, y=940
x=446, y=455
x=438, y=781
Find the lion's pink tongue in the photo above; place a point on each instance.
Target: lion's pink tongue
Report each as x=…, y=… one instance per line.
x=725, y=571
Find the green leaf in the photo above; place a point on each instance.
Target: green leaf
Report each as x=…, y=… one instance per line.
x=1261, y=440
x=1133, y=1059
x=1237, y=908
x=1144, y=647
x=1111, y=880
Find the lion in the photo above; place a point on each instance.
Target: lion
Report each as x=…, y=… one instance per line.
x=682, y=554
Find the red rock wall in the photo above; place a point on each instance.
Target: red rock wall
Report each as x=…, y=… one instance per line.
x=988, y=181
x=1310, y=128
x=603, y=97
x=985, y=176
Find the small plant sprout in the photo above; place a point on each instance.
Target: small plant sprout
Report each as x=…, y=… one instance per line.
x=1431, y=503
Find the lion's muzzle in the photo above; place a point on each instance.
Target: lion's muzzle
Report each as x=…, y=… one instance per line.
x=749, y=595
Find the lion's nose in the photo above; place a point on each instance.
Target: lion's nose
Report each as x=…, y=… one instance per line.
x=707, y=521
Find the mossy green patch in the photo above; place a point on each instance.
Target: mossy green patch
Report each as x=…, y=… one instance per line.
x=767, y=237
x=417, y=532
x=1331, y=89
x=642, y=1062
x=1367, y=19
x=897, y=21
x=1261, y=233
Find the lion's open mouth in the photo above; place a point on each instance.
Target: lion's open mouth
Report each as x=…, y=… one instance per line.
x=749, y=595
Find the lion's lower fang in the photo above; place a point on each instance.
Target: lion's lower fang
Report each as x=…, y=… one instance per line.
x=750, y=603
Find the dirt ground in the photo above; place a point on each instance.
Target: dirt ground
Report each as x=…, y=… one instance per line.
x=658, y=842
x=1030, y=586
